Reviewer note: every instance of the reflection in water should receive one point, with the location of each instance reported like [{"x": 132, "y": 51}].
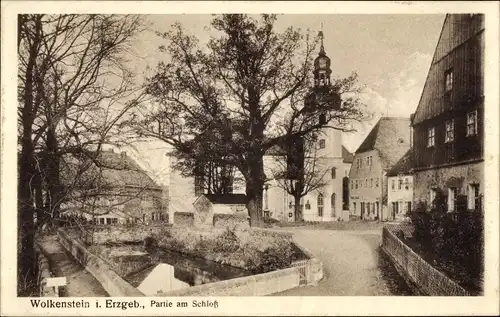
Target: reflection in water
[
  {"x": 156, "y": 270},
  {"x": 159, "y": 280}
]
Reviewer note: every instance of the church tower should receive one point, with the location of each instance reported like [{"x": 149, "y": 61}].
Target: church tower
[{"x": 326, "y": 202}]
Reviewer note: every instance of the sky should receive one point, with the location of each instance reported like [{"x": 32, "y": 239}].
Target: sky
[{"x": 390, "y": 52}]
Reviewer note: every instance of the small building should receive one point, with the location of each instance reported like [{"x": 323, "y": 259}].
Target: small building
[
  {"x": 386, "y": 143},
  {"x": 112, "y": 189},
  {"x": 220, "y": 211},
  {"x": 400, "y": 189}
]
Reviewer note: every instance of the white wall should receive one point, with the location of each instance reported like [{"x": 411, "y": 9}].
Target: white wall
[{"x": 401, "y": 196}]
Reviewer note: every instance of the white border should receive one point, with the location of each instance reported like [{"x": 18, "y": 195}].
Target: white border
[{"x": 488, "y": 304}]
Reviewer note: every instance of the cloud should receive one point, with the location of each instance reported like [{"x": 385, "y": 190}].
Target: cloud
[{"x": 396, "y": 95}]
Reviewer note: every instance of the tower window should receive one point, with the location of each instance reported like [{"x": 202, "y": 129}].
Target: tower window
[
  {"x": 322, "y": 143},
  {"x": 320, "y": 205},
  {"x": 334, "y": 172},
  {"x": 322, "y": 119}
]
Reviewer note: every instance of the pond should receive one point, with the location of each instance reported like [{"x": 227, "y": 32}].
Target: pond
[{"x": 156, "y": 270}]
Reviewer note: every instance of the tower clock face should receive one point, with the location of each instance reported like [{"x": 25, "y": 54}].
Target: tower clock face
[{"x": 322, "y": 63}]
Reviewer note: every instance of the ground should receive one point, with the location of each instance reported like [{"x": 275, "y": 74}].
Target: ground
[
  {"x": 80, "y": 282},
  {"x": 352, "y": 263}
]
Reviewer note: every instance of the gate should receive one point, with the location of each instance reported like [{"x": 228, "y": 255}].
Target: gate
[{"x": 303, "y": 268}]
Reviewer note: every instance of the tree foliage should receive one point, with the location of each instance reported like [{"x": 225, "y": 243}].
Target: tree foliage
[
  {"x": 246, "y": 88},
  {"x": 73, "y": 89}
]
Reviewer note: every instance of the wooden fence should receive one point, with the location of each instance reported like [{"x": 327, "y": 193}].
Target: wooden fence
[{"x": 419, "y": 273}]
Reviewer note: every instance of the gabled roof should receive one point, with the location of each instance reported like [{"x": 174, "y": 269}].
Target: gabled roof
[
  {"x": 390, "y": 137},
  {"x": 112, "y": 169},
  {"x": 347, "y": 156},
  {"x": 227, "y": 199},
  {"x": 403, "y": 166}
]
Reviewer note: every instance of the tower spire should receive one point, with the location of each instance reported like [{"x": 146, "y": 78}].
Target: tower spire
[{"x": 321, "y": 37}]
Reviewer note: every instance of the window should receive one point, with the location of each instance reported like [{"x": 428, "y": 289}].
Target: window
[
  {"x": 474, "y": 200},
  {"x": 101, "y": 221},
  {"x": 393, "y": 183},
  {"x": 369, "y": 161},
  {"x": 322, "y": 119},
  {"x": 320, "y": 205},
  {"x": 366, "y": 182},
  {"x": 450, "y": 135},
  {"x": 452, "y": 199},
  {"x": 400, "y": 184},
  {"x": 448, "y": 80},
  {"x": 290, "y": 205},
  {"x": 367, "y": 208},
  {"x": 408, "y": 206},
  {"x": 332, "y": 203},
  {"x": 358, "y": 163},
  {"x": 432, "y": 196},
  {"x": 308, "y": 205},
  {"x": 322, "y": 143},
  {"x": 334, "y": 172},
  {"x": 376, "y": 182},
  {"x": 290, "y": 215},
  {"x": 108, "y": 221},
  {"x": 371, "y": 182},
  {"x": 354, "y": 207},
  {"x": 407, "y": 186},
  {"x": 430, "y": 137},
  {"x": 472, "y": 123},
  {"x": 352, "y": 184},
  {"x": 356, "y": 184}
]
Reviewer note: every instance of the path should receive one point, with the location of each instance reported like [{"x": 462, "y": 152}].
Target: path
[
  {"x": 80, "y": 282},
  {"x": 352, "y": 264}
]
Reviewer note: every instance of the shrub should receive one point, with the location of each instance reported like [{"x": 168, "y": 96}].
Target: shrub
[
  {"x": 277, "y": 256},
  {"x": 227, "y": 242}
]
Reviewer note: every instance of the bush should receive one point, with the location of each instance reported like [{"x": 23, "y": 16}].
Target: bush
[
  {"x": 227, "y": 242},
  {"x": 277, "y": 256}
]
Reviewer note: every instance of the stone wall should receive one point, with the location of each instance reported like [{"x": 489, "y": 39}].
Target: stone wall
[
  {"x": 122, "y": 233},
  {"x": 255, "y": 285},
  {"x": 184, "y": 219},
  {"x": 44, "y": 273},
  {"x": 443, "y": 178},
  {"x": 112, "y": 283},
  {"x": 419, "y": 275},
  {"x": 231, "y": 221}
]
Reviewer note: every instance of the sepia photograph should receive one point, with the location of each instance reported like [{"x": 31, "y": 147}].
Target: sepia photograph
[{"x": 258, "y": 154}]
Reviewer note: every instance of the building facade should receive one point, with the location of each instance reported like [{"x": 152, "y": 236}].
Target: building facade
[
  {"x": 400, "y": 189},
  {"x": 117, "y": 191},
  {"x": 448, "y": 123},
  {"x": 372, "y": 160}
]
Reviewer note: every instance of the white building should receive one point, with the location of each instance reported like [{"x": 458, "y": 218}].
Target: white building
[{"x": 400, "y": 189}]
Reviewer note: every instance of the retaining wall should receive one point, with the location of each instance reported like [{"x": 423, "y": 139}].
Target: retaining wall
[
  {"x": 114, "y": 285},
  {"x": 43, "y": 274},
  {"x": 254, "y": 285},
  {"x": 184, "y": 219},
  {"x": 420, "y": 275}
]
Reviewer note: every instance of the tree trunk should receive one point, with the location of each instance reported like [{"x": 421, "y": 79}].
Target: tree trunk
[
  {"x": 254, "y": 189},
  {"x": 297, "y": 209},
  {"x": 53, "y": 174}
]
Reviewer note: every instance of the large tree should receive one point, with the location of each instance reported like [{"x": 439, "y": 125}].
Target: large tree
[
  {"x": 73, "y": 89},
  {"x": 249, "y": 85}
]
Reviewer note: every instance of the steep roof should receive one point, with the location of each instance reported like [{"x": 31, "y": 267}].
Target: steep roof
[
  {"x": 227, "y": 199},
  {"x": 403, "y": 166},
  {"x": 347, "y": 156},
  {"x": 390, "y": 137},
  {"x": 113, "y": 169},
  {"x": 459, "y": 36}
]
